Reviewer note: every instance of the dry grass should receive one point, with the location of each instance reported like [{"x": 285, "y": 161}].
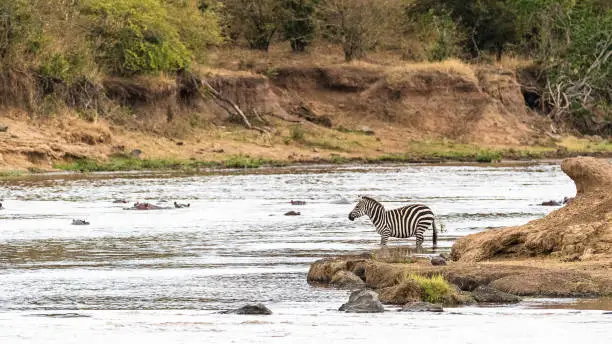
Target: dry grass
[{"x": 451, "y": 66}]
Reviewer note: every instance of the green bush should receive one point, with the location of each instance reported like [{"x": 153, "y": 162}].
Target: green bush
[
  {"x": 135, "y": 37},
  {"x": 488, "y": 156},
  {"x": 434, "y": 289}
]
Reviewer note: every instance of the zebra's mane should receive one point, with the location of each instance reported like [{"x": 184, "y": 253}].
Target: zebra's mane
[{"x": 372, "y": 199}]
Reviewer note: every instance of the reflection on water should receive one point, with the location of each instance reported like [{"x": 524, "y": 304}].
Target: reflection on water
[{"x": 151, "y": 273}]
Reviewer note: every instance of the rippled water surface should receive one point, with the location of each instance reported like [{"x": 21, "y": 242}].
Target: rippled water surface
[{"x": 162, "y": 276}]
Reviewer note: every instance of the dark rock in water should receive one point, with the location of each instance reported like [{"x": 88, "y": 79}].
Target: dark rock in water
[
  {"x": 182, "y": 205},
  {"x": 346, "y": 279},
  {"x": 1, "y": 206},
  {"x": 292, "y": 213},
  {"x": 253, "y": 309},
  {"x": 297, "y": 202},
  {"x": 486, "y": 294},
  {"x": 438, "y": 261},
  {"x": 123, "y": 201},
  {"x": 180, "y": 143},
  {"x": 567, "y": 200},
  {"x": 363, "y": 301},
  {"x": 421, "y": 307},
  {"x": 3, "y": 128},
  {"x": 80, "y": 222},
  {"x": 551, "y": 203}
]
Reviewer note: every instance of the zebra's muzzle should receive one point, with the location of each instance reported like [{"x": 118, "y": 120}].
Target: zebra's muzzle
[{"x": 351, "y": 217}]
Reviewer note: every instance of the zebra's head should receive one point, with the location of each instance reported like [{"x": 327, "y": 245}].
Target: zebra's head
[{"x": 359, "y": 210}]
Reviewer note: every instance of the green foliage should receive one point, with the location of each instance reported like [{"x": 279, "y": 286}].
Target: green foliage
[
  {"x": 136, "y": 36},
  {"x": 257, "y": 20},
  {"x": 197, "y": 22},
  {"x": 434, "y": 289},
  {"x": 439, "y": 35},
  {"x": 572, "y": 41},
  {"x": 488, "y": 156},
  {"x": 299, "y": 24},
  {"x": 488, "y": 24},
  {"x": 17, "y": 27}
]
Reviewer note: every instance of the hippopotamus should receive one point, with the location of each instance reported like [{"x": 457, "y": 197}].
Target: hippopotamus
[
  {"x": 145, "y": 206},
  {"x": 292, "y": 213},
  {"x": 80, "y": 222}
]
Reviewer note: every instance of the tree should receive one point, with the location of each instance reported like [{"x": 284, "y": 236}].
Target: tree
[
  {"x": 359, "y": 25},
  {"x": 257, "y": 20},
  {"x": 489, "y": 24},
  {"x": 299, "y": 25}
]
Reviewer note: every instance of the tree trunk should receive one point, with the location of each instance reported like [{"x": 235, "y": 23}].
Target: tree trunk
[
  {"x": 298, "y": 45},
  {"x": 500, "y": 50}
]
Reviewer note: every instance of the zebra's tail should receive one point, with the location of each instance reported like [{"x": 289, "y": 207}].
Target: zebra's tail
[{"x": 435, "y": 233}]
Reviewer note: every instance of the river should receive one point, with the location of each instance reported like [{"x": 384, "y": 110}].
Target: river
[{"x": 162, "y": 276}]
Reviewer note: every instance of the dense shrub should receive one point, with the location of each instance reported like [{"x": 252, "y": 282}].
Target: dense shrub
[{"x": 135, "y": 36}]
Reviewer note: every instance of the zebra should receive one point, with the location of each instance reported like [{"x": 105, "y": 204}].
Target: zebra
[{"x": 404, "y": 222}]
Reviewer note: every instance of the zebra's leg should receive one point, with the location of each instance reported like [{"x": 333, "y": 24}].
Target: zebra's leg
[
  {"x": 383, "y": 239},
  {"x": 384, "y": 236},
  {"x": 419, "y": 236}
]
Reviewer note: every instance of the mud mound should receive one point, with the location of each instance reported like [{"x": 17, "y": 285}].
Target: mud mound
[{"x": 580, "y": 230}]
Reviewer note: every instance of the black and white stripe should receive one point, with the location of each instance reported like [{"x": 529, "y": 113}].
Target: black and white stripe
[{"x": 405, "y": 222}]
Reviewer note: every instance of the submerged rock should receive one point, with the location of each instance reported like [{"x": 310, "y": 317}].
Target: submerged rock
[
  {"x": 347, "y": 279},
  {"x": 363, "y": 301},
  {"x": 438, "y": 261},
  {"x": 292, "y": 213},
  {"x": 486, "y": 294},
  {"x": 298, "y": 202},
  {"x": 251, "y": 309},
  {"x": 551, "y": 203},
  {"x": 421, "y": 307}
]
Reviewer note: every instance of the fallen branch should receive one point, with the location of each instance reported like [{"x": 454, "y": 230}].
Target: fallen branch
[{"x": 229, "y": 105}]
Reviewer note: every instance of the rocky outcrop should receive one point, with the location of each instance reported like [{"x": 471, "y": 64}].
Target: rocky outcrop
[
  {"x": 401, "y": 293},
  {"x": 438, "y": 261},
  {"x": 251, "y": 309},
  {"x": 347, "y": 279},
  {"x": 363, "y": 301},
  {"x": 581, "y": 230},
  {"x": 486, "y": 294},
  {"x": 523, "y": 277}
]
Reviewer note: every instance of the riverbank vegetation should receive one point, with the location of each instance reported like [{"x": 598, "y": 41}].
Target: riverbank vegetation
[{"x": 154, "y": 66}]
